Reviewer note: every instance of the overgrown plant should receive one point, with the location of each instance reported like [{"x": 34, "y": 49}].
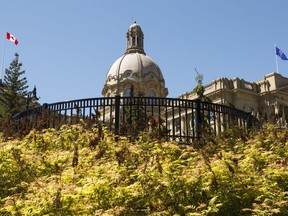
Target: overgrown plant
[{"x": 57, "y": 172}]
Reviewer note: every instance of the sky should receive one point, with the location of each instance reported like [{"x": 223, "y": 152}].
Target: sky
[{"x": 67, "y": 46}]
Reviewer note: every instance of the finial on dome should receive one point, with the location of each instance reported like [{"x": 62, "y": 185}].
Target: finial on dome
[{"x": 132, "y": 18}]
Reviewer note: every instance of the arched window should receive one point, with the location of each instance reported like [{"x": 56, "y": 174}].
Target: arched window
[{"x": 127, "y": 92}]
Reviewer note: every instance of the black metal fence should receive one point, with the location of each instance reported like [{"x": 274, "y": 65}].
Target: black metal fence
[{"x": 176, "y": 119}]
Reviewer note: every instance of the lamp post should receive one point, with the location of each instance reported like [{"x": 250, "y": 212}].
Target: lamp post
[{"x": 31, "y": 97}]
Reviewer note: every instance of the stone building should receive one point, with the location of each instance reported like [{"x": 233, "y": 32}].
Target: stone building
[
  {"x": 266, "y": 99},
  {"x": 136, "y": 69}
]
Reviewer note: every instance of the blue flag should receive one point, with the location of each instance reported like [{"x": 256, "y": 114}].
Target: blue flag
[{"x": 281, "y": 54}]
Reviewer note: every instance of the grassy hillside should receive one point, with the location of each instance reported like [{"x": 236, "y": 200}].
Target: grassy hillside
[{"x": 76, "y": 171}]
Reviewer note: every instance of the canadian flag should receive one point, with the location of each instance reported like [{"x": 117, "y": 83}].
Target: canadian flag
[{"x": 11, "y": 38}]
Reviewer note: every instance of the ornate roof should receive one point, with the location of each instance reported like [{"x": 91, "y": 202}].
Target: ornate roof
[{"x": 134, "y": 66}]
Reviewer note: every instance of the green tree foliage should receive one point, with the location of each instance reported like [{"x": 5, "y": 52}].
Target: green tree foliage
[
  {"x": 13, "y": 89},
  {"x": 56, "y": 172},
  {"x": 200, "y": 89}
]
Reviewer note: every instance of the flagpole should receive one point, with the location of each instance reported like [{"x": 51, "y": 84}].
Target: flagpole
[
  {"x": 277, "y": 69},
  {"x": 3, "y": 56}
]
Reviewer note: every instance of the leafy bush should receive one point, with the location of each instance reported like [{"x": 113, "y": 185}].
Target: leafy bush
[{"x": 80, "y": 171}]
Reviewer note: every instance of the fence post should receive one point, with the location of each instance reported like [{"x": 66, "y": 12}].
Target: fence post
[
  {"x": 198, "y": 119},
  {"x": 44, "y": 111},
  {"x": 117, "y": 115}
]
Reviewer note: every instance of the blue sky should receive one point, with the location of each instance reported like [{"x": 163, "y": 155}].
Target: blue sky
[{"x": 68, "y": 46}]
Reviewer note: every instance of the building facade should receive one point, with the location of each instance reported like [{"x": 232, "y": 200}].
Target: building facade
[{"x": 266, "y": 99}]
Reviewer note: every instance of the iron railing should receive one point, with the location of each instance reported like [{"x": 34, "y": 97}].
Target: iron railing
[{"x": 177, "y": 119}]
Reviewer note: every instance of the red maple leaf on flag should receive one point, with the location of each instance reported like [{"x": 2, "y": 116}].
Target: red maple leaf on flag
[{"x": 11, "y": 38}]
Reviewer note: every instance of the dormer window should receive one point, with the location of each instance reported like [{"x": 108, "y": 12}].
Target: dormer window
[{"x": 127, "y": 92}]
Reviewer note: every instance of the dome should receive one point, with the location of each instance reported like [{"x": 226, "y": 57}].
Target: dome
[
  {"x": 136, "y": 69},
  {"x": 135, "y": 27}
]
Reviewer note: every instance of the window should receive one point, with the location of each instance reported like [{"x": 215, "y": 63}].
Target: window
[
  {"x": 127, "y": 92},
  {"x": 212, "y": 115},
  {"x": 151, "y": 94}
]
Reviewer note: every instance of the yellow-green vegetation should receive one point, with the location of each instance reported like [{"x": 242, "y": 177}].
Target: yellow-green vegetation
[{"x": 79, "y": 171}]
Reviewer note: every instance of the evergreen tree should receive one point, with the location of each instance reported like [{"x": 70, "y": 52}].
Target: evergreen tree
[{"x": 13, "y": 89}]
